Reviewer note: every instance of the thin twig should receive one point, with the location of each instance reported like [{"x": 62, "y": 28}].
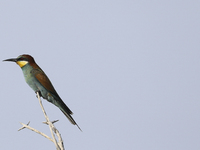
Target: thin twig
[
  {"x": 45, "y": 122},
  {"x": 23, "y": 126},
  {"x": 60, "y": 140},
  {"x": 51, "y": 126},
  {"x": 30, "y": 128},
  {"x": 59, "y": 145}
]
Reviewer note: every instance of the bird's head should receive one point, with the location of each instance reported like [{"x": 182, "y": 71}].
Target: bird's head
[{"x": 22, "y": 60}]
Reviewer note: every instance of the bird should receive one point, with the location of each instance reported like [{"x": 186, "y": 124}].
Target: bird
[{"x": 39, "y": 82}]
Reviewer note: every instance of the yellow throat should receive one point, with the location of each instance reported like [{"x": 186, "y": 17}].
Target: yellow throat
[{"x": 22, "y": 63}]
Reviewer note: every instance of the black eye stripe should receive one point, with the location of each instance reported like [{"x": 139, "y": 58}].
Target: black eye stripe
[{"x": 22, "y": 59}]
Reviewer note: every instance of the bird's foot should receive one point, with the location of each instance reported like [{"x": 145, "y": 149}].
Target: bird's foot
[{"x": 39, "y": 93}]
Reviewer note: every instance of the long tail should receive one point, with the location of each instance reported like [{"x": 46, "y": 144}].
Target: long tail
[
  {"x": 70, "y": 118},
  {"x": 56, "y": 100}
]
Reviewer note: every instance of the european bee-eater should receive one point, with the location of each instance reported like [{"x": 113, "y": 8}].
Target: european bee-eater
[{"x": 39, "y": 82}]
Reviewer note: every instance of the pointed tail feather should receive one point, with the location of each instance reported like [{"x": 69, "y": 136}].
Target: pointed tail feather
[
  {"x": 69, "y": 117},
  {"x": 63, "y": 107}
]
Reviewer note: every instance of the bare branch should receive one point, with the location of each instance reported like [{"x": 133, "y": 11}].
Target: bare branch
[
  {"x": 51, "y": 126},
  {"x": 59, "y": 145},
  {"x": 59, "y": 139},
  {"x": 23, "y": 126},
  {"x": 30, "y": 128},
  {"x": 45, "y": 122}
]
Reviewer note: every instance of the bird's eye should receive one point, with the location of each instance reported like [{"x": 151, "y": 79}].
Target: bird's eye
[{"x": 21, "y": 58}]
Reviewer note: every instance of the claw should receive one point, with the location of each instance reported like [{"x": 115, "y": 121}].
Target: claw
[{"x": 39, "y": 93}]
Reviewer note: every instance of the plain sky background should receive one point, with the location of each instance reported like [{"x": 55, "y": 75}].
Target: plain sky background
[{"x": 129, "y": 70}]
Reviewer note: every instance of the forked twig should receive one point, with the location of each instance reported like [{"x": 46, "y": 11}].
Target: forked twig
[
  {"x": 59, "y": 145},
  {"x": 30, "y": 128}
]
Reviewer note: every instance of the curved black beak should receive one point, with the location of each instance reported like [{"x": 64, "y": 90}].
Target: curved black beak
[{"x": 11, "y": 59}]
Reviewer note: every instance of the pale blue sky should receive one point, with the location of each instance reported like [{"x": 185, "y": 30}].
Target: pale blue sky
[{"x": 129, "y": 70}]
